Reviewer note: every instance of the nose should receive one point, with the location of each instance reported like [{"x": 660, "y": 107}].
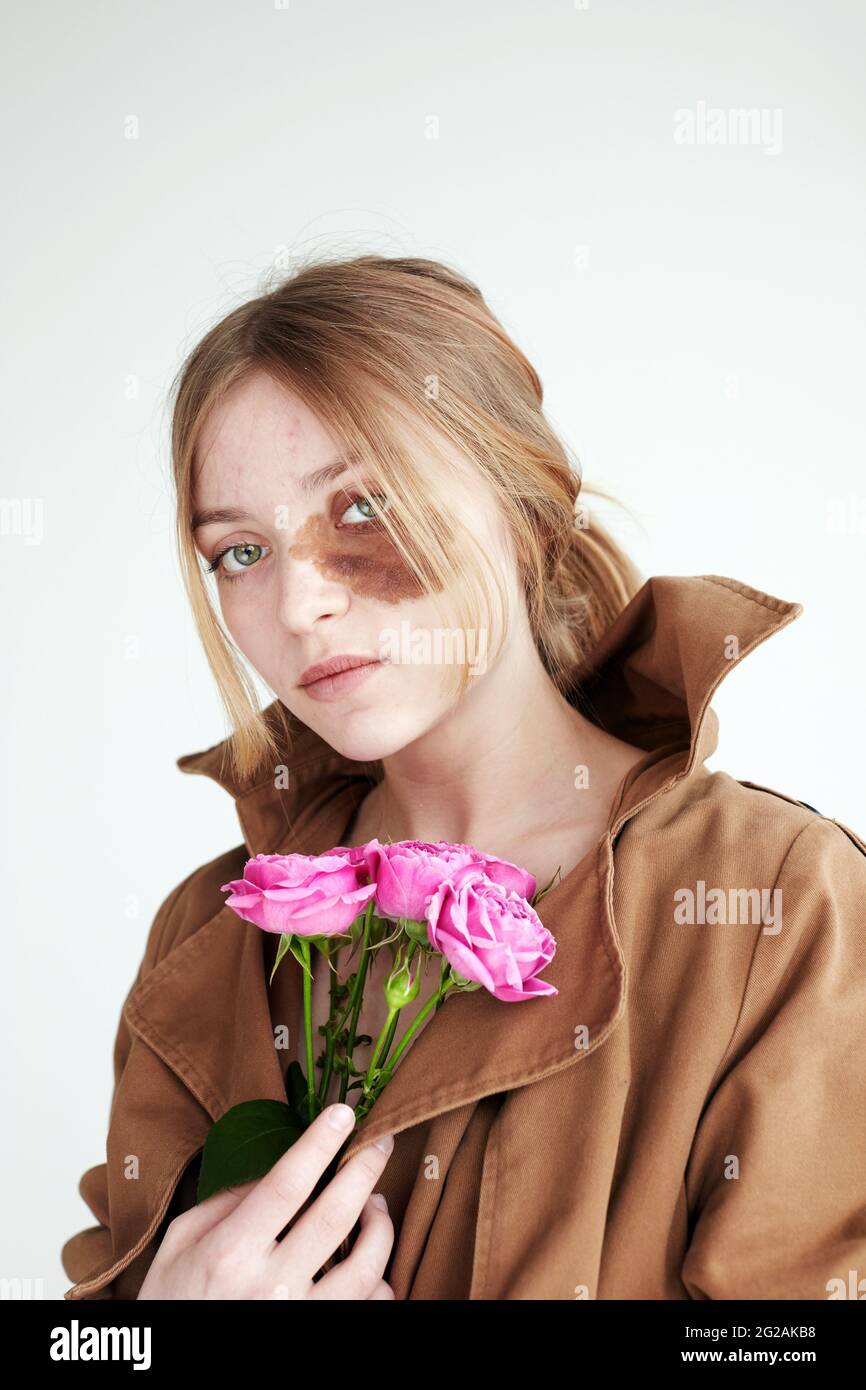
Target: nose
[{"x": 305, "y": 596}]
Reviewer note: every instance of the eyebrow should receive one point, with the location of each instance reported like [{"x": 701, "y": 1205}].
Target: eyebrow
[{"x": 309, "y": 483}]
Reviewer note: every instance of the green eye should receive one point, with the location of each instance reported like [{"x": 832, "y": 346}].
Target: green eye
[
  {"x": 368, "y": 510},
  {"x": 245, "y": 555}
]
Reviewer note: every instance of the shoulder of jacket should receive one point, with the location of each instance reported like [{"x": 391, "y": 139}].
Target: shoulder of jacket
[
  {"x": 692, "y": 814},
  {"x": 192, "y": 903},
  {"x": 813, "y": 815}
]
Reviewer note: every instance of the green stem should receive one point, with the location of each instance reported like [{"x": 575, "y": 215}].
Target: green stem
[
  {"x": 445, "y": 968},
  {"x": 390, "y": 1038},
  {"x": 331, "y": 1030},
  {"x": 387, "y": 1027},
  {"x": 308, "y": 1028},
  {"x": 370, "y": 1097},
  {"x": 392, "y": 1027},
  {"x": 414, "y": 1026},
  {"x": 357, "y": 997}
]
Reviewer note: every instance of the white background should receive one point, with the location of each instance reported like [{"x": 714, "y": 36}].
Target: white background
[{"x": 695, "y": 311}]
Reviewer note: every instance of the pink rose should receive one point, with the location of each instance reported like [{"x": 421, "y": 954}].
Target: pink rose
[
  {"x": 302, "y": 894},
  {"x": 490, "y": 935},
  {"x": 408, "y": 872}
]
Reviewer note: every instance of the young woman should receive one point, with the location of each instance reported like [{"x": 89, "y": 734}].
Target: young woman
[{"x": 458, "y": 652}]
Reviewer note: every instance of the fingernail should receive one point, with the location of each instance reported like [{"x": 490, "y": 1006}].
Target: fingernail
[
  {"x": 378, "y": 1200},
  {"x": 386, "y": 1143},
  {"x": 340, "y": 1116}
]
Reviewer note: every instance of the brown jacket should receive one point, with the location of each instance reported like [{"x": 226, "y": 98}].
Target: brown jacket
[{"x": 685, "y": 1119}]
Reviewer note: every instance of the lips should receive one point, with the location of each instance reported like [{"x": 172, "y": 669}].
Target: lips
[{"x": 334, "y": 666}]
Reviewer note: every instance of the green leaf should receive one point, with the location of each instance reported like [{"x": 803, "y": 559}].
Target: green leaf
[
  {"x": 245, "y": 1144},
  {"x": 282, "y": 949},
  {"x": 296, "y": 1090},
  {"x": 416, "y": 932},
  {"x": 464, "y": 985},
  {"x": 298, "y": 950},
  {"x": 546, "y": 889}
]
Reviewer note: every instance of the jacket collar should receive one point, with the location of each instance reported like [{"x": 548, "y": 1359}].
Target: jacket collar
[{"x": 205, "y": 1008}]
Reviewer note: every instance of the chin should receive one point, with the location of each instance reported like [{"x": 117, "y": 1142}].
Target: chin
[{"x": 368, "y": 735}]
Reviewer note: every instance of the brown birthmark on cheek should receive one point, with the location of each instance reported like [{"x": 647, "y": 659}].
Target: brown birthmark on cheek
[{"x": 368, "y": 561}]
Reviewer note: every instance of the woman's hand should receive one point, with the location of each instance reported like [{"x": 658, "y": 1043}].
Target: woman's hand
[{"x": 227, "y": 1247}]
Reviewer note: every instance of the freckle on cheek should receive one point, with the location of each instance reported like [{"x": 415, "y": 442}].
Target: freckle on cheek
[{"x": 369, "y": 564}]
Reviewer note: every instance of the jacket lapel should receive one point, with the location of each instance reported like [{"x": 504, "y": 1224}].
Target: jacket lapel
[{"x": 204, "y": 1009}]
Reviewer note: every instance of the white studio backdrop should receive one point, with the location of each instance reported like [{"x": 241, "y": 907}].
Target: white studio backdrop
[{"x": 664, "y": 203}]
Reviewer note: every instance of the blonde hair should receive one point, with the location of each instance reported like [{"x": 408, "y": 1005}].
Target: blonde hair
[{"x": 373, "y": 342}]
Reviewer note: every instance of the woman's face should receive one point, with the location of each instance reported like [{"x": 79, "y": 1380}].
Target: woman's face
[{"x": 307, "y": 574}]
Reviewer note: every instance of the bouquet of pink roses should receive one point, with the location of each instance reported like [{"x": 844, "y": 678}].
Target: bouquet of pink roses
[{"x": 473, "y": 912}]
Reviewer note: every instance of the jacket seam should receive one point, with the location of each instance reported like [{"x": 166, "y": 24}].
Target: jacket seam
[
  {"x": 177, "y": 1059},
  {"x": 848, "y": 832},
  {"x": 487, "y": 1232},
  {"x": 733, "y": 1038},
  {"x": 753, "y": 595},
  {"x": 99, "y": 1280},
  {"x": 168, "y": 912}
]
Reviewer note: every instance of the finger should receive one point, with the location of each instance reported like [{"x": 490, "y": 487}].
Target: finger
[
  {"x": 382, "y": 1291},
  {"x": 360, "y": 1274},
  {"x": 276, "y": 1197},
  {"x": 330, "y": 1218},
  {"x": 194, "y": 1223}
]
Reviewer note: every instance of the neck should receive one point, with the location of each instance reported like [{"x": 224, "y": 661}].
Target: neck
[{"x": 510, "y": 746}]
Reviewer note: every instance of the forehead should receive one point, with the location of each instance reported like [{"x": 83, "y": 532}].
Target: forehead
[{"x": 261, "y": 435}]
